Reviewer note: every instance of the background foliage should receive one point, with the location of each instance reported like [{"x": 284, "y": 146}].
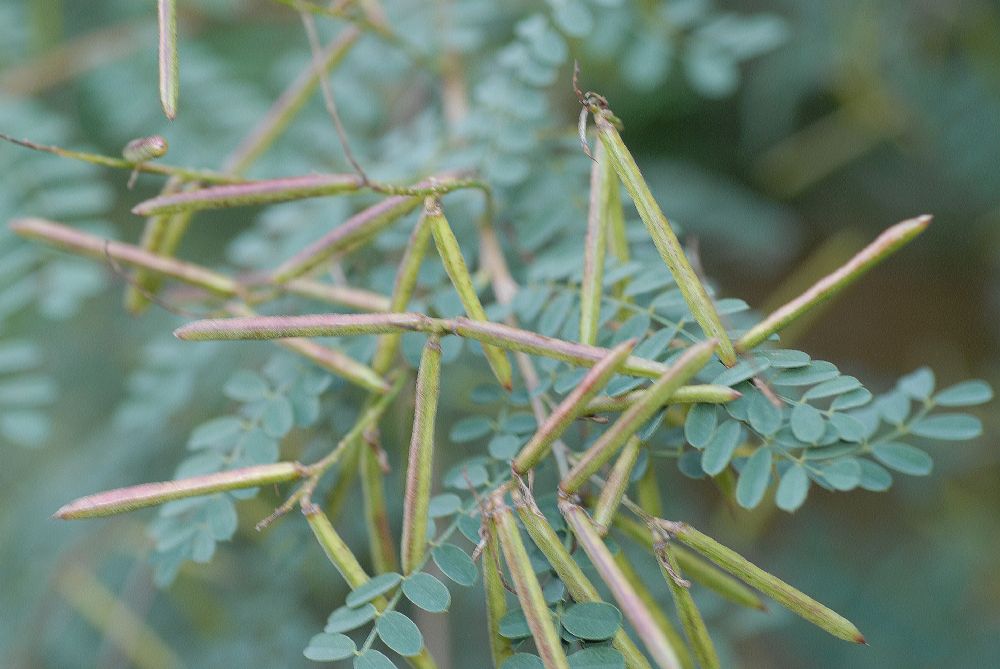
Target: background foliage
[{"x": 780, "y": 135}]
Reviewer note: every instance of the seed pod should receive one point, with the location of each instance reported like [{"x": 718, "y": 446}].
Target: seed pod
[
  {"x": 402, "y": 292},
  {"x": 169, "y": 85},
  {"x": 794, "y": 600},
  {"x": 577, "y": 584},
  {"x": 595, "y": 246},
  {"x": 529, "y": 592},
  {"x": 458, "y": 272},
  {"x": 660, "y": 617},
  {"x": 145, "y": 148},
  {"x": 691, "y": 620},
  {"x": 694, "y": 394},
  {"x": 65, "y": 237},
  {"x": 496, "y": 600},
  {"x": 663, "y": 236},
  {"x": 339, "y": 553},
  {"x": 135, "y": 497},
  {"x": 570, "y": 408},
  {"x": 615, "y": 485},
  {"x": 252, "y": 193},
  {"x": 380, "y": 538},
  {"x": 356, "y": 230},
  {"x": 420, "y": 466},
  {"x": 824, "y": 289},
  {"x": 628, "y": 600},
  {"x": 636, "y": 415},
  {"x": 694, "y": 567}
]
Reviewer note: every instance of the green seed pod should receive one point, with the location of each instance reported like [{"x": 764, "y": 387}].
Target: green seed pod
[
  {"x": 145, "y": 148},
  {"x": 420, "y": 467},
  {"x": 629, "y": 602},
  {"x": 458, "y": 272},
  {"x": 529, "y": 592},
  {"x": 595, "y": 246},
  {"x": 636, "y": 415},
  {"x": 794, "y": 600},
  {"x": 694, "y": 567},
  {"x": 570, "y": 408},
  {"x": 687, "y": 611},
  {"x": 577, "y": 584},
  {"x": 615, "y": 485},
  {"x": 496, "y": 600},
  {"x": 169, "y": 81},
  {"x": 663, "y": 235},
  {"x": 131, "y": 498}
]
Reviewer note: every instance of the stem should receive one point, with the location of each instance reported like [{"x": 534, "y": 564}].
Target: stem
[{"x": 120, "y": 163}]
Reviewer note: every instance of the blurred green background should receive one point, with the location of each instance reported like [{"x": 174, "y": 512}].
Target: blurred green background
[{"x": 841, "y": 119}]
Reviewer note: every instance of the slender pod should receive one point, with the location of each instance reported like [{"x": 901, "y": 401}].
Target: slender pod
[
  {"x": 577, "y": 584},
  {"x": 884, "y": 245},
  {"x": 320, "y": 325},
  {"x": 402, "y": 290},
  {"x": 614, "y": 486},
  {"x": 687, "y": 610},
  {"x": 355, "y": 230},
  {"x": 454, "y": 264},
  {"x": 663, "y": 235},
  {"x": 529, "y": 592},
  {"x": 625, "y": 594},
  {"x": 595, "y": 247},
  {"x": 381, "y": 544},
  {"x": 88, "y": 245},
  {"x": 570, "y": 408},
  {"x": 338, "y": 363},
  {"x": 666, "y": 625},
  {"x": 633, "y": 418},
  {"x": 347, "y": 564},
  {"x": 340, "y": 325},
  {"x": 496, "y": 600},
  {"x": 648, "y": 492},
  {"x": 420, "y": 464},
  {"x": 694, "y": 567},
  {"x": 122, "y": 500},
  {"x": 352, "y": 297},
  {"x": 139, "y": 644},
  {"x": 253, "y": 193},
  {"x": 160, "y": 236},
  {"x": 794, "y": 600},
  {"x": 289, "y": 103},
  {"x": 169, "y": 85},
  {"x": 332, "y": 360},
  {"x": 339, "y": 553},
  {"x": 694, "y": 394}
]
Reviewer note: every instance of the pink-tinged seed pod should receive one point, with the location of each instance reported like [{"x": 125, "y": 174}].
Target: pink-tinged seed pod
[{"x": 145, "y": 148}]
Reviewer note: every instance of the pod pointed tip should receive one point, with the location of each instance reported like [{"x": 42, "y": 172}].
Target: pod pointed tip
[{"x": 859, "y": 638}]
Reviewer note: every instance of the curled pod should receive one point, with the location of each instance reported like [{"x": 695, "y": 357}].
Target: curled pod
[{"x": 145, "y": 148}]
